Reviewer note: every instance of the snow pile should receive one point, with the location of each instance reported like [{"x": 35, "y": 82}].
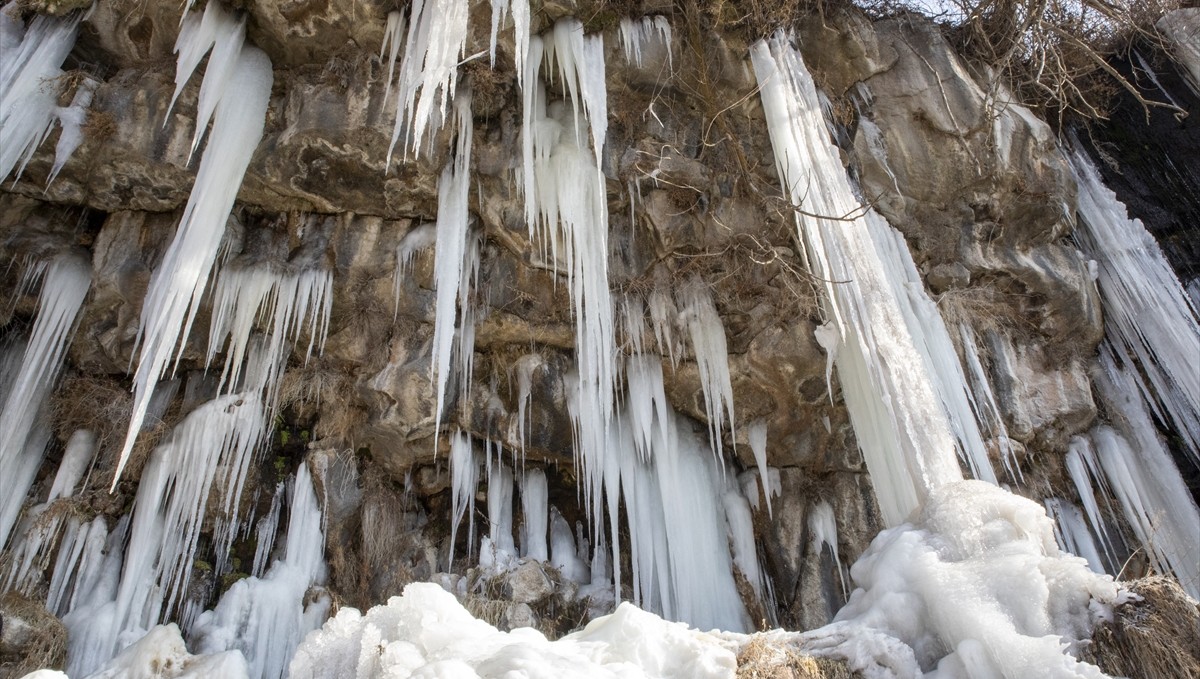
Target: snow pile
[
  {"x": 975, "y": 587},
  {"x": 161, "y": 654},
  {"x": 237, "y": 88},
  {"x": 427, "y": 633}
]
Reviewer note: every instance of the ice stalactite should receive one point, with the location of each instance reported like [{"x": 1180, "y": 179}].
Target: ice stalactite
[
  {"x": 678, "y": 502},
  {"x": 499, "y": 551},
  {"x": 267, "y": 617},
  {"x": 437, "y": 35},
  {"x": 206, "y": 456},
  {"x": 984, "y": 404},
  {"x": 757, "y": 435},
  {"x": 638, "y": 34},
  {"x": 1149, "y": 319},
  {"x": 699, "y": 316},
  {"x": 1072, "y": 532},
  {"x": 934, "y": 345},
  {"x": 30, "y": 84},
  {"x": 464, "y": 481},
  {"x": 72, "y": 118},
  {"x": 1084, "y": 468},
  {"x": 65, "y": 283},
  {"x": 567, "y": 208},
  {"x": 899, "y": 420},
  {"x": 265, "y": 533},
  {"x": 525, "y": 367},
  {"x": 393, "y": 36},
  {"x": 535, "y": 513},
  {"x": 455, "y": 264},
  {"x": 286, "y": 301},
  {"x": 1142, "y": 476},
  {"x": 76, "y": 459},
  {"x": 822, "y": 525},
  {"x": 178, "y": 283}
]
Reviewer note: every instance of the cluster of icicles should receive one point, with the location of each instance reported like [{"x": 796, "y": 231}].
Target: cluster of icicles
[{"x": 919, "y": 414}]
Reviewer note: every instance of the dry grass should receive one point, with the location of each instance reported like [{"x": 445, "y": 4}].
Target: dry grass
[
  {"x": 1155, "y": 638},
  {"x": 46, "y": 645},
  {"x": 763, "y": 659}
]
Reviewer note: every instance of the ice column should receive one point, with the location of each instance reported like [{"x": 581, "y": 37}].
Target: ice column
[
  {"x": 65, "y": 283},
  {"x": 901, "y": 424},
  {"x": 179, "y": 282}
]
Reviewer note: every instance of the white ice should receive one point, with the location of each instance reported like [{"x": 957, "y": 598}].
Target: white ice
[
  {"x": 638, "y": 35},
  {"x": 427, "y": 633},
  {"x": 266, "y": 618},
  {"x": 975, "y": 586},
  {"x": 178, "y": 283},
  {"x": 65, "y": 283},
  {"x": 29, "y": 81},
  {"x": 899, "y": 420}
]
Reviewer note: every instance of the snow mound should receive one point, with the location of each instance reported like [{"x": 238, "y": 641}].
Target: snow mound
[
  {"x": 427, "y": 633},
  {"x": 974, "y": 586}
]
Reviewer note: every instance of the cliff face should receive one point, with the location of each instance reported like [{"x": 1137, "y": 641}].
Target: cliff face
[{"x": 977, "y": 185}]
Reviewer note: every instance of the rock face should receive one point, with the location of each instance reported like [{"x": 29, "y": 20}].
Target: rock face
[{"x": 977, "y": 186}]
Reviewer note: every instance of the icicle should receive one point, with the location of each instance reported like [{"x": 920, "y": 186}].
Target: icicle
[
  {"x": 464, "y": 481},
  {"x": 535, "y": 513},
  {"x": 741, "y": 537},
  {"x": 177, "y": 285},
  {"x": 76, "y": 459},
  {"x": 451, "y": 268},
  {"x": 217, "y": 31},
  {"x": 637, "y": 34},
  {"x": 1154, "y": 497},
  {"x": 663, "y": 315},
  {"x": 1147, "y": 313},
  {"x": 500, "y": 514},
  {"x": 29, "y": 87},
  {"x": 65, "y": 284},
  {"x": 757, "y": 435},
  {"x": 89, "y": 612},
  {"x": 1072, "y": 533},
  {"x": 437, "y": 34},
  {"x": 983, "y": 402},
  {"x": 520, "y": 15},
  {"x": 266, "y": 618},
  {"x": 393, "y": 35},
  {"x": 823, "y": 526},
  {"x": 564, "y": 554},
  {"x": 265, "y": 533},
  {"x": 72, "y": 119},
  {"x": 499, "y": 10},
  {"x": 210, "y": 449},
  {"x": 707, "y": 333},
  {"x": 1083, "y": 469},
  {"x": 283, "y": 302},
  {"x": 414, "y": 242},
  {"x": 525, "y": 367},
  {"x": 899, "y": 420}
]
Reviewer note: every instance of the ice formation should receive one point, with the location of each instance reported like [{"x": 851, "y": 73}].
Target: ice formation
[
  {"x": 72, "y": 119},
  {"x": 265, "y": 618},
  {"x": 975, "y": 587},
  {"x": 453, "y": 270},
  {"x": 162, "y": 654},
  {"x": 901, "y": 423},
  {"x": 65, "y": 283},
  {"x": 535, "y": 514},
  {"x": 179, "y": 281},
  {"x": 639, "y": 34},
  {"x": 437, "y": 34},
  {"x": 699, "y": 315},
  {"x": 426, "y": 632},
  {"x": 1148, "y": 318},
  {"x": 30, "y": 84},
  {"x": 208, "y": 451},
  {"x": 285, "y": 302}
]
